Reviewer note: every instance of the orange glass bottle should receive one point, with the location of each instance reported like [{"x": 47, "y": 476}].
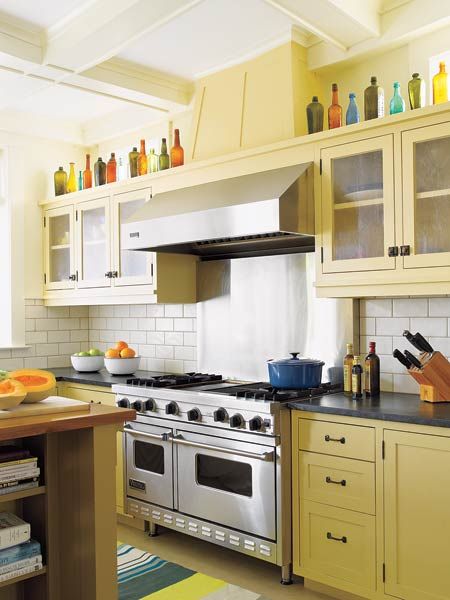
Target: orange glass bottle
[
  {"x": 142, "y": 160},
  {"x": 177, "y": 152},
  {"x": 111, "y": 169},
  {"x": 335, "y": 110},
  {"x": 87, "y": 173},
  {"x": 440, "y": 88}
]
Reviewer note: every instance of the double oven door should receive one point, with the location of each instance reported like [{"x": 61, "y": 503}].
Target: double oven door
[{"x": 189, "y": 469}]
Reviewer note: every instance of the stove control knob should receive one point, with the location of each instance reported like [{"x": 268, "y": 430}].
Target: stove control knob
[
  {"x": 123, "y": 403},
  {"x": 220, "y": 415},
  {"x": 194, "y": 414},
  {"x": 255, "y": 424},
  {"x": 144, "y": 405},
  {"x": 172, "y": 408},
  {"x": 150, "y": 404},
  {"x": 237, "y": 421}
]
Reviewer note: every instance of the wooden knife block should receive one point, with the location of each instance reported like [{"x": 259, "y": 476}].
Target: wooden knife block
[{"x": 434, "y": 378}]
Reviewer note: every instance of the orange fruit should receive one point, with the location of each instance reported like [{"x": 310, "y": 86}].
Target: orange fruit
[
  {"x": 112, "y": 353},
  {"x": 121, "y": 346},
  {"x": 127, "y": 353}
]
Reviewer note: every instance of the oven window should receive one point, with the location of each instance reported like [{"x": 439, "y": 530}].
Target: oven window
[
  {"x": 227, "y": 475},
  {"x": 149, "y": 457}
]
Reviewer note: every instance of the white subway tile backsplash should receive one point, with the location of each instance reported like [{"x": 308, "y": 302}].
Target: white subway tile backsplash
[
  {"x": 173, "y": 338},
  {"x": 367, "y": 326},
  {"x": 57, "y": 312},
  {"x": 430, "y": 326},
  {"x": 129, "y": 324},
  {"x": 190, "y": 310},
  {"x": 36, "y": 337},
  {"x": 173, "y": 310},
  {"x": 391, "y": 326},
  {"x": 185, "y": 353},
  {"x": 46, "y": 349},
  {"x": 146, "y": 324},
  {"x": 70, "y": 323},
  {"x": 121, "y": 310},
  {"x": 138, "y": 337},
  {"x": 36, "y": 362},
  {"x": 377, "y": 307},
  {"x": 174, "y": 366},
  {"x": 35, "y": 312},
  {"x": 383, "y": 344},
  {"x": 155, "y": 310},
  {"x": 164, "y": 324},
  {"x": 155, "y": 337},
  {"x": 190, "y": 339},
  {"x": 410, "y": 307},
  {"x": 184, "y": 324},
  {"x": 439, "y": 307},
  {"x": 441, "y": 344},
  {"x": 47, "y": 325},
  {"x": 138, "y": 310},
  {"x": 59, "y": 336},
  {"x": 164, "y": 352},
  {"x": 155, "y": 364},
  {"x": 147, "y": 351},
  {"x": 30, "y": 324},
  {"x": 405, "y": 384}
]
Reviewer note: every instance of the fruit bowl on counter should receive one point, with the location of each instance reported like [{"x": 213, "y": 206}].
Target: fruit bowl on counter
[
  {"x": 88, "y": 362},
  {"x": 121, "y": 360}
]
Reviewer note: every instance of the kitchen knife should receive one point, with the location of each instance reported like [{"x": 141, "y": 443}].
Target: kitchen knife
[
  {"x": 402, "y": 358},
  {"x": 418, "y": 341},
  {"x": 413, "y": 359}
]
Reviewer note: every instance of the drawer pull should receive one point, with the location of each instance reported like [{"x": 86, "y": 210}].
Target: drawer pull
[
  {"x": 330, "y": 439},
  {"x": 342, "y": 482},
  {"x": 342, "y": 539}
]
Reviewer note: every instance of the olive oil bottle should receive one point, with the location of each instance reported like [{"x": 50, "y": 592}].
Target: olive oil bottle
[
  {"x": 348, "y": 364},
  {"x": 372, "y": 372},
  {"x": 357, "y": 373}
]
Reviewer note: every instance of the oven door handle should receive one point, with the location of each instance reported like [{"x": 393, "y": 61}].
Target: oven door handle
[
  {"x": 265, "y": 456},
  {"x": 164, "y": 437}
]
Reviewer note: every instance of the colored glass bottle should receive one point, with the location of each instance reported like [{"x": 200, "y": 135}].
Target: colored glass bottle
[
  {"x": 335, "y": 110},
  {"x": 87, "y": 173},
  {"x": 372, "y": 372},
  {"x": 357, "y": 372},
  {"x": 142, "y": 160},
  {"x": 80, "y": 180},
  {"x": 416, "y": 91},
  {"x": 60, "y": 178},
  {"x": 373, "y": 100},
  {"x": 121, "y": 170},
  {"x": 314, "y": 115},
  {"x": 133, "y": 158},
  {"x": 352, "y": 114},
  {"x": 440, "y": 88},
  {"x": 397, "y": 104},
  {"x": 153, "y": 161},
  {"x": 177, "y": 152},
  {"x": 348, "y": 364},
  {"x": 72, "y": 180},
  {"x": 164, "y": 160},
  {"x": 100, "y": 172},
  {"x": 111, "y": 169}
]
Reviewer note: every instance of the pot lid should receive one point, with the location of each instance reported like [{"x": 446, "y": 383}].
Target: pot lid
[{"x": 295, "y": 361}]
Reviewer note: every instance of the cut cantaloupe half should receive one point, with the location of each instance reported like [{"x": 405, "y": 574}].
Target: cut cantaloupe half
[
  {"x": 12, "y": 393},
  {"x": 38, "y": 384}
]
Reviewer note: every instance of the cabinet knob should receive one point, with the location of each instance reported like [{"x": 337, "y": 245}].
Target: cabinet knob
[
  {"x": 405, "y": 250},
  {"x": 114, "y": 274},
  {"x": 108, "y": 274},
  {"x": 72, "y": 277},
  {"x": 393, "y": 251}
]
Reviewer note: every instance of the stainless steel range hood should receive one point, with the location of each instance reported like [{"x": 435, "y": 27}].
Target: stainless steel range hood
[{"x": 261, "y": 214}]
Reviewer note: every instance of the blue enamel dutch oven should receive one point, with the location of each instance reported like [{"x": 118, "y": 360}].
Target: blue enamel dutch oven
[{"x": 295, "y": 373}]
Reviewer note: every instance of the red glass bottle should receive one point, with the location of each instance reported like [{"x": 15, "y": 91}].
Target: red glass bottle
[
  {"x": 87, "y": 173},
  {"x": 335, "y": 110},
  {"x": 177, "y": 152}
]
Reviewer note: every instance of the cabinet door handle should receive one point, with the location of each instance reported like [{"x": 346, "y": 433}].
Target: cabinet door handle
[
  {"x": 108, "y": 274},
  {"x": 330, "y": 439},
  {"x": 72, "y": 277},
  {"x": 343, "y": 482},
  {"x": 342, "y": 539},
  {"x": 114, "y": 274},
  {"x": 393, "y": 251},
  {"x": 405, "y": 250}
]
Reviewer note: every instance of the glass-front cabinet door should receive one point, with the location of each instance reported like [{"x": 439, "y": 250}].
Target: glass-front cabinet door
[
  {"x": 60, "y": 273},
  {"x": 358, "y": 206},
  {"x": 129, "y": 267},
  {"x": 426, "y": 196},
  {"x": 93, "y": 243}
]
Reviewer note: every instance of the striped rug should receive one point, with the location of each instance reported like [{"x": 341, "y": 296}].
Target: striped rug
[{"x": 142, "y": 575}]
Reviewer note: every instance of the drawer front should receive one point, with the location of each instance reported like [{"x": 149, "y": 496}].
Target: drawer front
[
  {"x": 338, "y": 439},
  {"x": 338, "y": 544},
  {"x": 337, "y": 481}
]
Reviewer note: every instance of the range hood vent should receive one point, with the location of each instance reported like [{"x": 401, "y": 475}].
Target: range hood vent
[{"x": 261, "y": 214}]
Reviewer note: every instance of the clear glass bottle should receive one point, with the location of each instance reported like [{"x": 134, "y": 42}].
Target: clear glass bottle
[
  {"x": 60, "y": 178},
  {"x": 72, "y": 180},
  {"x": 100, "y": 172},
  {"x": 111, "y": 169},
  {"x": 373, "y": 100},
  {"x": 142, "y": 160},
  {"x": 335, "y": 109},
  {"x": 177, "y": 152},
  {"x": 416, "y": 91},
  {"x": 397, "y": 104},
  {"x": 153, "y": 161},
  {"x": 314, "y": 115},
  {"x": 348, "y": 364},
  {"x": 87, "y": 173},
  {"x": 352, "y": 114},
  {"x": 164, "y": 160},
  {"x": 133, "y": 158},
  {"x": 122, "y": 172},
  {"x": 357, "y": 391},
  {"x": 440, "y": 85},
  {"x": 372, "y": 372}
]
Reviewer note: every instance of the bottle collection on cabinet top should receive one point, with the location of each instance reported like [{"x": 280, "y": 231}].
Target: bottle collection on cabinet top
[
  {"x": 139, "y": 163},
  {"x": 360, "y": 379}
]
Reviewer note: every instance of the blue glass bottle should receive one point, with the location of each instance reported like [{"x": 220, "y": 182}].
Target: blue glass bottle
[
  {"x": 352, "y": 114},
  {"x": 397, "y": 104}
]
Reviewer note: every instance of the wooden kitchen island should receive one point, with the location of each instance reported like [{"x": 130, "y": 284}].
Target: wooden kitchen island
[{"x": 73, "y": 511}]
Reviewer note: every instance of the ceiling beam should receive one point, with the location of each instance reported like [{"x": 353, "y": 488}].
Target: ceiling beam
[{"x": 19, "y": 41}]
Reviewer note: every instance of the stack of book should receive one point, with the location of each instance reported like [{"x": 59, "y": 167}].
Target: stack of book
[
  {"x": 18, "y": 469},
  {"x": 19, "y": 555}
]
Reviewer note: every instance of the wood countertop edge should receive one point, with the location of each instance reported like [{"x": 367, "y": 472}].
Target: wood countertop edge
[{"x": 98, "y": 415}]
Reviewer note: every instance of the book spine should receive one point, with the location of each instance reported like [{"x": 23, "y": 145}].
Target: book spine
[
  {"x": 22, "y": 475},
  {"x": 21, "y": 564},
  {"x": 19, "y": 461},
  {"x": 20, "y": 486},
  {"x": 20, "y": 552},
  {"x": 17, "y": 468},
  {"x": 16, "y": 534},
  {"x": 20, "y": 572}
]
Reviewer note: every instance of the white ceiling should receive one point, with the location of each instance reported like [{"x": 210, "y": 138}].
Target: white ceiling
[{"x": 41, "y": 13}]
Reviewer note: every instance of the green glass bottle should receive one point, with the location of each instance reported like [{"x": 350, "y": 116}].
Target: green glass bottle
[
  {"x": 397, "y": 104},
  {"x": 416, "y": 91},
  {"x": 60, "y": 178},
  {"x": 153, "y": 161},
  {"x": 133, "y": 160},
  {"x": 80, "y": 180},
  {"x": 100, "y": 172},
  {"x": 314, "y": 115},
  {"x": 164, "y": 160},
  {"x": 373, "y": 100}
]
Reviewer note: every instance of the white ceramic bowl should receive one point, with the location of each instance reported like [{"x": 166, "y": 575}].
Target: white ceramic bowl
[
  {"x": 122, "y": 366},
  {"x": 87, "y": 364}
]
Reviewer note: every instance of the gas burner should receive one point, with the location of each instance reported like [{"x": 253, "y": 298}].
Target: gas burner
[
  {"x": 163, "y": 381},
  {"x": 266, "y": 393}
]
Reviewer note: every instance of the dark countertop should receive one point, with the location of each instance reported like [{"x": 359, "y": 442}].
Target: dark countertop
[
  {"x": 101, "y": 378},
  {"x": 402, "y": 408}
]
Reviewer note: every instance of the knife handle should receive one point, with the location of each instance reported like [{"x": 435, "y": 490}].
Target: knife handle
[
  {"x": 418, "y": 341},
  {"x": 413, "y": 359},
  {"x": 402, "y": 358}
]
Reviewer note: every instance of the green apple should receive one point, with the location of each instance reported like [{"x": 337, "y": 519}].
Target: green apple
[
  {"x": 83, "y": 354},
  {"x": 95, "y": 352}
]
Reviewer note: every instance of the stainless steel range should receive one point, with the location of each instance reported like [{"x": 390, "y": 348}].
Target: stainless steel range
[{"x": 211, "y": 458}]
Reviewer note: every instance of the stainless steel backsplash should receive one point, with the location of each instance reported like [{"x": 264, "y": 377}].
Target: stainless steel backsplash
[{"x": 255, "y": 309}]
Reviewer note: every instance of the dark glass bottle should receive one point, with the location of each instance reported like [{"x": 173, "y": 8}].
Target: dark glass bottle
[
  {"x": 372, "y": 372},
  {"x": 352, "y": 115},
  {"x": 348, "y": 365},
  {"x": 357, "y": 372},
  {"x": 111, "y": 169},
  {"x": 314, "y": 115},
  {"x": 100, "y": 172},
  {"x": 87, "y": 173},
  {"x": 133, "y": 160},
  {"x": 373, "y": 100},
  {"x": 177, "y": 152},
  {"x": 164, "y": 160},
  {"x": 335, "y": 109},
  {"x": 416, "y": 91},
  {"x": 60, "y": 178}
]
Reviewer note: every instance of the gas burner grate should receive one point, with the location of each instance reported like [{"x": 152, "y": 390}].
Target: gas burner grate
[
  {"x": 163, "y": 381},
  {"x": 266, "y": 393}
]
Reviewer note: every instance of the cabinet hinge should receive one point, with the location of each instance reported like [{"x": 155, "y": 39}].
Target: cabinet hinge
[
  {"x": 384, "y": 572},
  {"x": 321, "y": 254},
  {"x": 151, "y": 269},
  {"x": 76, "y": 273},
  {"x": 76, "y": 215},
  {"x": 383, "y": 449},
  {"x": 45, "y": 277},
  {"x": 320, "y": 166}
]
